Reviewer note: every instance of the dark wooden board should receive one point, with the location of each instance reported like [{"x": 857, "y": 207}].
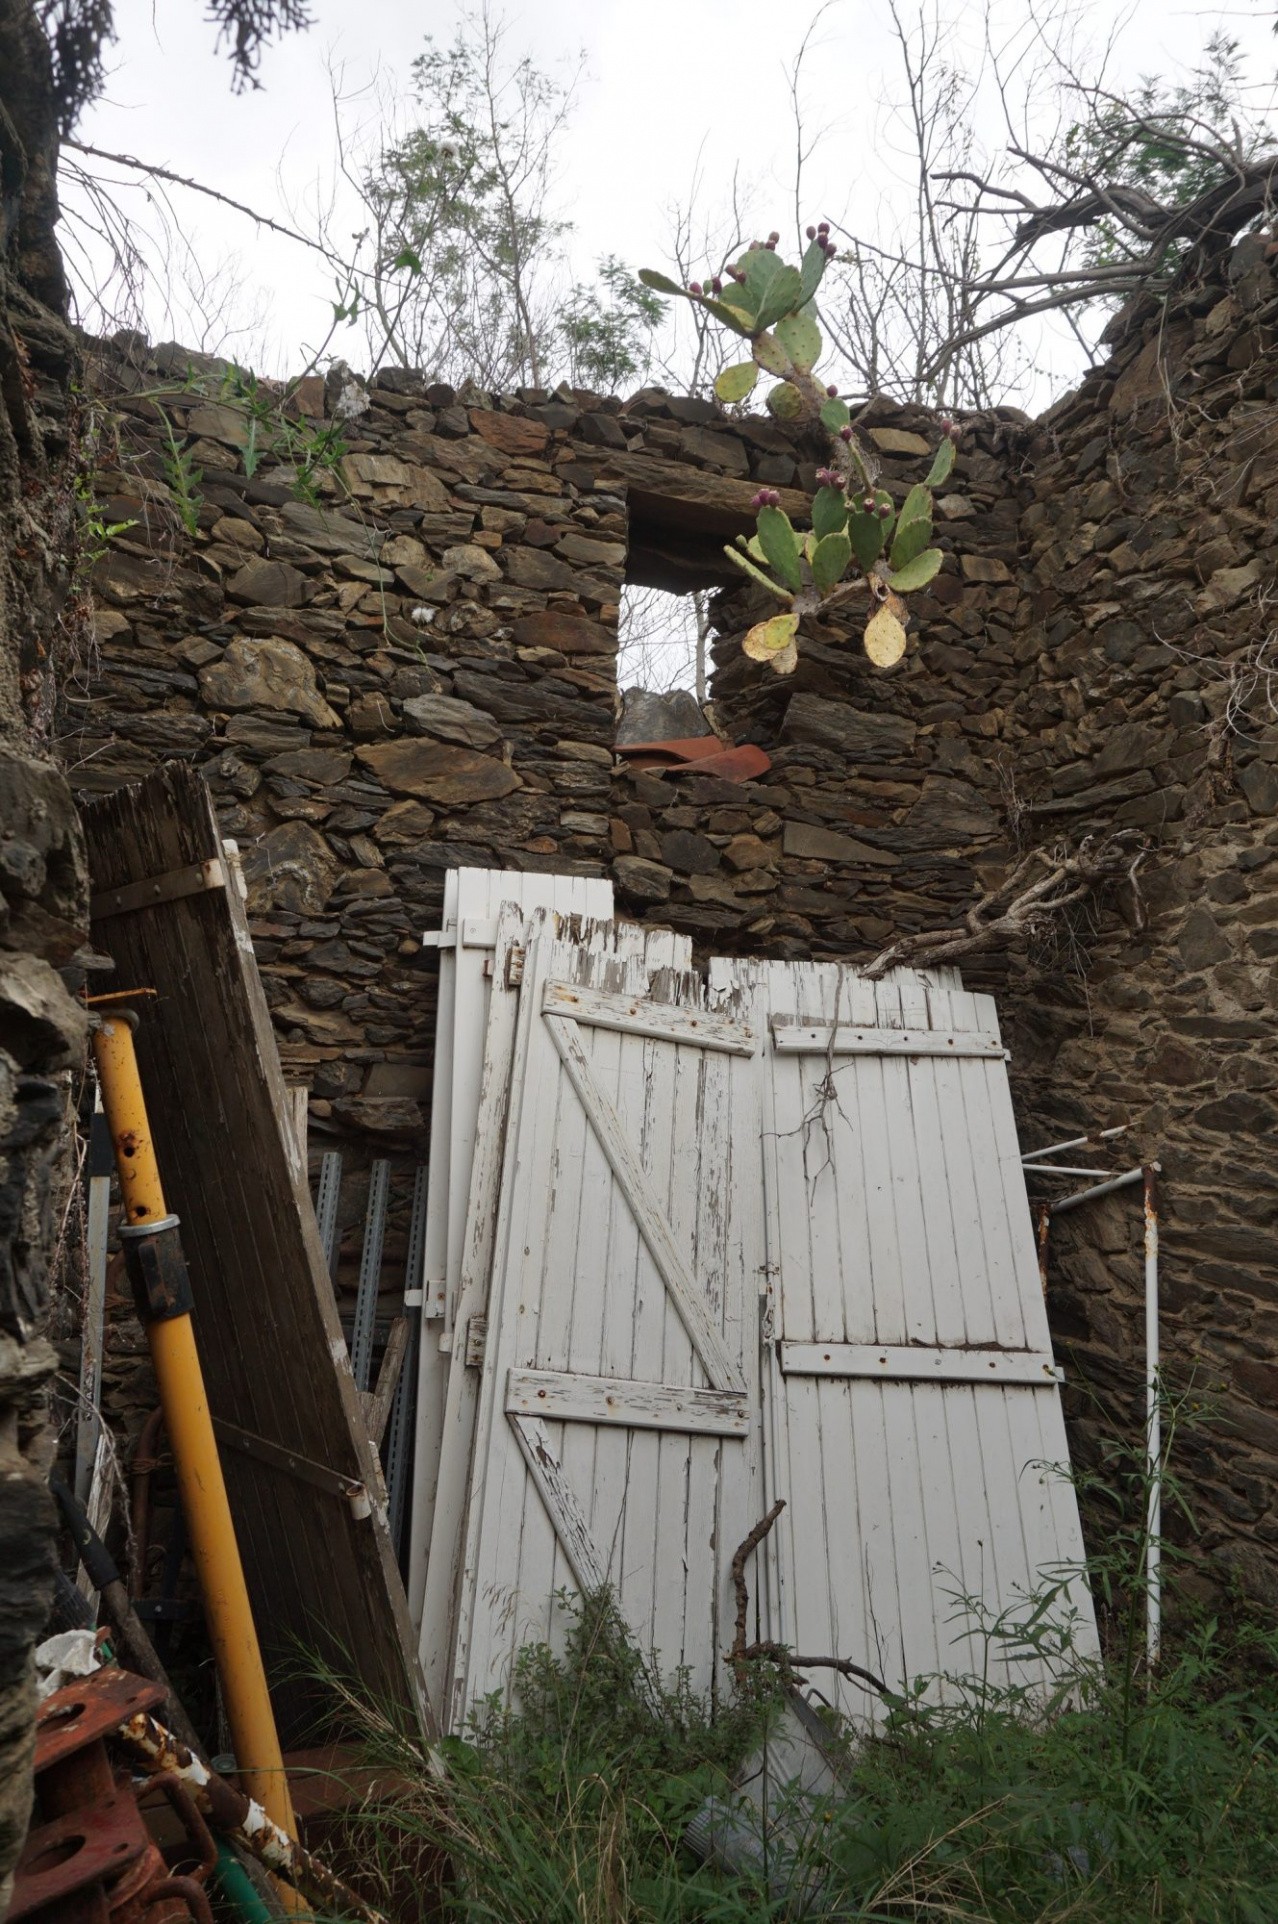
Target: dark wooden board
[{"x": 274, "y": 1358}]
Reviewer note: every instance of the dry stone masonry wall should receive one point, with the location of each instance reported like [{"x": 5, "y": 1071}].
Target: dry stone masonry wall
[{"x": 383, "y": 622}]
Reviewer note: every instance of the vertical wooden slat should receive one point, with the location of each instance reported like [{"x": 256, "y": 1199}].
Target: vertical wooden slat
[{"x": 320, "y": 1578}]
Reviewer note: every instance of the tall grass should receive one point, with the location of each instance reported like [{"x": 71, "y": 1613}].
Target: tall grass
[{"x": 1137, "y": 1797}]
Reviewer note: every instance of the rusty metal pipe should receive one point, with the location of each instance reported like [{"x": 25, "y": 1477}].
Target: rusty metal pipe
[{"x": 230, "y": 1811}]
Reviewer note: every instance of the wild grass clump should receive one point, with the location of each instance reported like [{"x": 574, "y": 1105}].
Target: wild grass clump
[{"x": 1127, "y": 1792}]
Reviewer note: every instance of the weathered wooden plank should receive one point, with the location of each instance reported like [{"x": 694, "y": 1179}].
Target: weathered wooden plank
[
  {"x": 564, "y": 1395},
  {"x": 640, "y": 1015},
  {"x": 562, "y": 1507},
  {"x": 275, "y": 1364},
  {"x": 919, "y": 1365},
  {"x": 818, "y": 1039},
  {"x": 720, "y": 1367}
]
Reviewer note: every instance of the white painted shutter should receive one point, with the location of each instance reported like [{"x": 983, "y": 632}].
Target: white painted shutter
[
  {"x": 616, "y": 1438},
  {"x": 472, "y": 901},
  {"x": 911, "y": 1400}
]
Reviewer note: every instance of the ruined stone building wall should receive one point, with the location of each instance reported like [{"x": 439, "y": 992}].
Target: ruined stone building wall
[{"x": 415, "y": 668}]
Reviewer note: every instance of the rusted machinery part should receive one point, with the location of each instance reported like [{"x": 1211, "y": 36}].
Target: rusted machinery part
[
  {"x": 191, "y": 1894},
  {"x": 154, "y": 1748}
]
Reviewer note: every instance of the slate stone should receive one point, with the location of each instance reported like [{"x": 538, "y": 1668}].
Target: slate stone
[
  {"x": 1201, "y": 940},
  {"x": 267, "y": 674},
  {"x": 691, "y": 854},
  {"x": 512, "y": 433},
  {"x": 451, "y": 720},
  {"x": 1259, "y": 783},
  {"x": 649, "y": 717},
  {"x": 269, "y": 584},
  {"x": 641, "y": 880},
  {"x": 570, "y": 634},
  {"x": 812, "y": 843},
  {"x": 291, "y": 867},
  {"x": 951, "y": 809},
  {"x": 432, "y": 772},
  {"x": 858, "y": 735}
]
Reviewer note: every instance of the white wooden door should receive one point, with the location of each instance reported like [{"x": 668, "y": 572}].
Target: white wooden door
[
  {"x": 617, "y": 1428},
  {"x": 472, "y": 900},
  {"x": 913, "y": 1421}
]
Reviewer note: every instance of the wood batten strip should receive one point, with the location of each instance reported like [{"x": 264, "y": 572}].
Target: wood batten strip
[
  {"x": 637, "y": 1015},
  {"x": 562, "y": 1396}
]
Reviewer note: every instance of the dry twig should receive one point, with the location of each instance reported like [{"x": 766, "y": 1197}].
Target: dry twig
[
  {"x": 1041, "y": 886},
  {"x": 765, "y": 1650}
]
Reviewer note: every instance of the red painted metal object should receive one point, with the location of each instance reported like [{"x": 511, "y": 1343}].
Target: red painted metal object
[{"x": 89, "y": 1857}]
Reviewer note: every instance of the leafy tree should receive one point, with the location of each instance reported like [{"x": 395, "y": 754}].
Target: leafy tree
[{"x": 463, "y": 268}]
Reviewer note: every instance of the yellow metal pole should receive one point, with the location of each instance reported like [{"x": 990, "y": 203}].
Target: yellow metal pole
[{"x": 158, "y": 1272}]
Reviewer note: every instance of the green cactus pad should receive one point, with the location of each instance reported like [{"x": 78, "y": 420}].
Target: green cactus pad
[
  {"x": 941, "y": 465},
  {"x": 800, "y": 336},
  {"x": 917, "y": 505},
  {"x": 785, "y": 402},
  {"x": 756, "y": 574},
  {"x": 830, "y": 558},
  {"x": 812, "y": 268},
  {"x": 661, "y": 283},
  {"x": 730, "y": 316},
  {"x": 829, "y": 512},
  {"x": 735, "y": 295},
  {"x": 866, "y": 533},
  {"x": 834, "y": 415},
  {"x": 911, "y": 539},
  {"x": 780, "y": 544},
  {"x": 735, "y": 383},
  {"x": 770, "y": 355},
  {"x": 784, "y": 291},
  {"x": 918, "y": 572}
]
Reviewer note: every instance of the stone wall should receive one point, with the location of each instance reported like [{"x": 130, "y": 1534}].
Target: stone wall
[
  {"x": 414, "y": 667},
  {"x": 42, "y": 880}
]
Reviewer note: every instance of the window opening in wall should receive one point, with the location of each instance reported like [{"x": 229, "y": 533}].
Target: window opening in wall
[{"x": 663, "y": 639}]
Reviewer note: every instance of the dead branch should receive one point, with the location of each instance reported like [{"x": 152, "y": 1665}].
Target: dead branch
[
  {"x": 1042, "y": 885},
  {"x": 765, "y": 1650},
  {"x": 198, "y": 187}
]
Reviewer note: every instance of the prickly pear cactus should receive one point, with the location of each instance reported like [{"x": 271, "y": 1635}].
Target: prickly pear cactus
[{"x": 859, "y": 542}]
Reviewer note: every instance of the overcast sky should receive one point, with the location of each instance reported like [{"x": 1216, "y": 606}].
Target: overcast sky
[{"x": 665, "y": 81}]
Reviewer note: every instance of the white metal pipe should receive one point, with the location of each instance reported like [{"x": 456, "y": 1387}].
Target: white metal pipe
[
  {"x": 1154, "y": 1440},
  {"x": 1075, "y": 1142},
  {"x": 1059, "y": 1169},
  {"x": 1099, "y": 1189}
]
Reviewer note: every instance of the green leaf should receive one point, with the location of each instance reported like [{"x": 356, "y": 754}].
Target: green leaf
[
  {"x": 918, "y": 572},
  {"x": 779, "y": 543},
  {"x": 811, "y": 269},
  {"x": 800, "y": 336},
  {"x": 865, "y": 532},
  {"x": 917, "y": 505},
  {"x": 829, "y": 559},
  {"x": 769, "y": 355},
  {"x": 735, "y": 383},
  {"x": 782, "y": 296},
  {"x": 834, "y": 415},
  {"x": 911, "y": 539},
  {"x": 661, "y": 283},
  {"x": 765, "y": 581},
  {"x": 941, "y": 464},
  {"x": 408, "y": 257},
  {"x": 785, "y": 402},
  {"x": 829, "y": 512}
]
